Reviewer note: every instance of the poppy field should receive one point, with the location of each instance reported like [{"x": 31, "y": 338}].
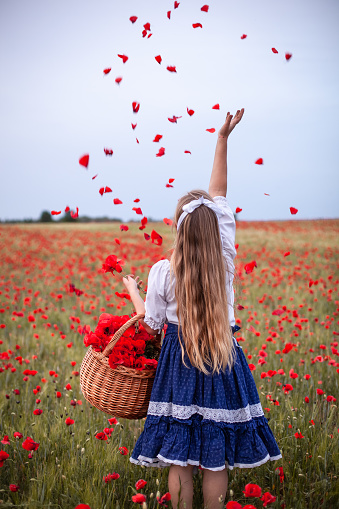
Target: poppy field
[{"x": 57, "y": 451}]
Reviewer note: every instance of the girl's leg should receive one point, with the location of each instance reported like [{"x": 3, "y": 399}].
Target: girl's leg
[
  {"x": 214, "y": 485},
  {"x": 181, "y": 477}
]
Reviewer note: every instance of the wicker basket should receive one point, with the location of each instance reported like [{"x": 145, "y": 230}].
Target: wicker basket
[{"x": 121, "y": 392}]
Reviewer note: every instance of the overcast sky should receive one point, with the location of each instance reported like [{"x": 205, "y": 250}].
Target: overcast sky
[{"x": 57, "y": 105}]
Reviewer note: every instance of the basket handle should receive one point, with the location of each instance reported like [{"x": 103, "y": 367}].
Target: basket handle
[{"x": 118, "y": 335}]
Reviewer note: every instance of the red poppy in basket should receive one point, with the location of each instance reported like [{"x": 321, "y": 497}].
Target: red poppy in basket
[{"x": 111, "y": 264}]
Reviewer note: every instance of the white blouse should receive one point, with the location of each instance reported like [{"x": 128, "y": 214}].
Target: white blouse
[{"x": 160, "y": 303}]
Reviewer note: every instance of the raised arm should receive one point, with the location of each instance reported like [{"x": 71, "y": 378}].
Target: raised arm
[{"x": 218, "y": 181}]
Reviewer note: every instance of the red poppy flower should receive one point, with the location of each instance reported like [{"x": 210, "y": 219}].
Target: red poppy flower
[
  {"x": 112, "y": 264},
  {"x": 252, "y": 490},
  {"x": 139, "y": 498},
  {"x": 101, "y": 436},
  {"x": 69, "y": 421},
  {"x": 140, "y": 484},
  {"x": 3, "y": 457},
  {"x": 123, "y": 451},
  {"x": 29, "y": 445},
  {"x": 111, "y": 477}
]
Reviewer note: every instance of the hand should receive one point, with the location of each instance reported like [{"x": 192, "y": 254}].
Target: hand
[
  {"x": 131, "y": 284},
  {"x": 230, "y": 123}
]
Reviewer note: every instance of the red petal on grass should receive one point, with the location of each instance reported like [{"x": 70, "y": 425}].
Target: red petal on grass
[
  {"x": 147, "y": 237},
  {"x": 84, "y": 160},
  {"x": 197, "y": 25},
  {"x": 168, "y": 221},
  {"x": 169, "y": 14},
  {"x": 212, "y": 130},
  {"x": 108, "y": 151},
  {"x": 107, "y": 70},
  {"x": 157, "y": 137},
  {"x": 124, "y": 58},
  {"x": 216, "y": 107},
  {"x": 133, "y": 19},
  {"x": 205, "y": 8},
  {"x": 161, "y": 152},
  {"x": 187, "y": 152},
  {"x": 135, "y": 106},
  {"x": 243, "y": 36},
  {"x": 55, "y": 213},
  {"x": 118, "y": 80},
  {"x": 176, "y": 5},
  {"x": 171, "y": 68},
  {"x": 158, "y": 59},
  {"x": 274, "y": 50},
  {"x": 137, "y": 210},
  {"x": 288, "y": 56},
  {"x": 147, "y": 26},
  {"x": 259, "y": 161},
  {"x": 238, "y": 209},
  {"x": 108, "y": 189},
  {"x": 293, "y": 210},
  {"x": 190, "y": 112},
  {"x": 101, "y": 190},
  {"x": 95, "y": 176},
  {"x": 116, "y": 201},
  {"x": 171, "y": 180},
  {"x": 133, "y": 126}
]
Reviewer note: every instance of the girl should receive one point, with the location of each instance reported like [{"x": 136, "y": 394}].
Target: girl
[{"x": 204, "y": 409}]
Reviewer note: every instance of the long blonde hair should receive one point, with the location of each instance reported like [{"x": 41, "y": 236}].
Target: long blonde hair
[{"x": 200, "y": 288}]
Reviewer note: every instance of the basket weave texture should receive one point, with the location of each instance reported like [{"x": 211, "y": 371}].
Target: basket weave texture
[{"x": 122, "y": 392}]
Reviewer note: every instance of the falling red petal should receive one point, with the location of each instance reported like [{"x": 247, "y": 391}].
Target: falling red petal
[
  {"x": 136, "y": 200},
  {"x": 157, "y": 137},
  {"x": 169, "y": 14},
  {"x": 147, "y": 26},
  {"x": 171, "y": 180},
  {"x": 243, "y": 36},
  {"x": 133, "y": 126},
  {"x": 124, "y": 228},
  {"x": 190, "y": 112},
  {"x": 133, "y": 19},
  {"x": 144, "y": 33},
  {"x": 118, "y": 80},
  {"x": 176, "y": 5},
  {"x": 161, "y": 152},
  {"x": 108, "y": 189},
  {"x": 197, "y": 25},
  {"x": 74, "y": 215},
  {"x": 55, "y": 213},
  {"x": 259, "y": 161},
  {"x": 287, "y": 253},
  {"x": 293, "y": 210},
  {"x": 124, "y": 58},
  {"x": 174, "y": 119},
  {"x": 274, "y": 50},
  {"x": 108, "y": 70},
  {"x": 149, "y": 35},
  {"x": 108, "y": 151},
  {"x": 171, "y": 68},
  {"x": 101, "y": 190},
  {"x": 238, "y": 209},
  {"x": 168, "y": 221},
  {"x": 158, "y": 59},
  {"x": 212, "y": 130},
  {"x": 147, "y": 237},
  {"x": 187, "y": 152},
  {"x": 137, "y": 210},
  {"x": 137, "y": 140},
  {"x": 156, "y": 238},
  {"x": 84, "y": 160},
  {"x": 168, "y": 185},
  {"x": 135, "y": 106},
  {"x": 240, "y": 307},
  {"x": 95, "y": 176},
  {"x": 67, "y": 209},
  {"x": 288, "y": 56},
  {"x": 116, "y": 201},
  {"x": 266, "y": 194},
  {"x": 205, "y": 8},
  {"x": 117, "y": 241},
  {"x": 216, "y": 107}
]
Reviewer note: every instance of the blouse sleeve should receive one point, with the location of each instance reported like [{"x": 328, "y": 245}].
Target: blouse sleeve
[
  {"x": 156, "y": 304},
  {"x": 227, "y": 227}
]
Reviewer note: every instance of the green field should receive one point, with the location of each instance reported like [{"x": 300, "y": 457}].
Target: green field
[{"x": 41, "y": 323}]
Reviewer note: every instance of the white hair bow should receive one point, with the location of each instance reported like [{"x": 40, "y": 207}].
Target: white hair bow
[{"x": 194, "y": 204}]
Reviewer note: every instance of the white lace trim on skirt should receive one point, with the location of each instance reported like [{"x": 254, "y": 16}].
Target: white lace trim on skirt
[{"x": 216, "y": 414}]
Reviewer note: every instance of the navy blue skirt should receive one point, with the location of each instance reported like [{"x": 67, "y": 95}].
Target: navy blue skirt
[{"x": 213, "y": 421}]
